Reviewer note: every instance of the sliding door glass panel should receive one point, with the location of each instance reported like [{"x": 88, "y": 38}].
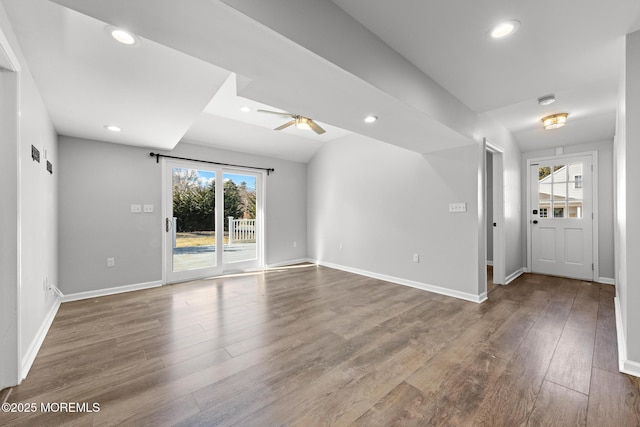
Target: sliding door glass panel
[
  {"x": 194, "y": 224},
  {"x": 240, "y": 225}
]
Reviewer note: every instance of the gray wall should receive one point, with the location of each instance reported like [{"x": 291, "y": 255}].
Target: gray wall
[
  {"x": 605, "y": 198},
  {"x": 99, "y": 181},
  {"x": 35, "y": 203},
  {"x": 383, "y": 203}
]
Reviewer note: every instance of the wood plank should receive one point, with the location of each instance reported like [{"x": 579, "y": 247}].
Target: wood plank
[
  {"x": 511, "y": 400},
  {"x": 312, "y": 345},
  {"x": 584, "y": 313},
  {"x": 614, "y": 399},
  {"x": 559, "y": 406},
  {"x": 605, "y": 355},
  {"x": 571, "y": 363},
  {"x": 401, "y": 406}
]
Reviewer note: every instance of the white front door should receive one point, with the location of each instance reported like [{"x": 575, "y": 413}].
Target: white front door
[{"x": 561, "y": 217}]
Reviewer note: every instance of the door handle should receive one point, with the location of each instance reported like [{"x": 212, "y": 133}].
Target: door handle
[
  {"x": 535, "y": 221},
  {"x": 167, "y": 224},
  {"x": 494, "y": 224}
]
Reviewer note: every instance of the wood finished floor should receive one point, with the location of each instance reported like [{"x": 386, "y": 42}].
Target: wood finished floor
[{"x": 314, "y": 346}]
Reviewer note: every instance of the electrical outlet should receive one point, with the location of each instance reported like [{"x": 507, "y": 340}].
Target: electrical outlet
[
  {"x": 111, "y": 262},
  {"x": 148, "y": 208},
  {"x": 136, "y": 208},
  {"x": 340, "y": 246},
  {"x": 295, "y": 244},
  {"x": 416, "y": 258}
]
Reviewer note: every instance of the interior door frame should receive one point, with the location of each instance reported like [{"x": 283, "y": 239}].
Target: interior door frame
[
  {"x": 499, "y": 239},
  {"x": 11, "y": 372},
  {"x": 595, "y": 206},
  {"x": 260, "y": 218}
]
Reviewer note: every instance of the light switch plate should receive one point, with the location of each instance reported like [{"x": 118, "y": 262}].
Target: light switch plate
[
  {"x": 136, "y": 208},
  {"x": 457, "y": 207},
  {"x": 148, "y": 208}
]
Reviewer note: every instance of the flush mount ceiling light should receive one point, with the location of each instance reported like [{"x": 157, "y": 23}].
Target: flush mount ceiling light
[
  {"x": 122, "y": 36},
  {"x": 546, "y": 100},
  {"x": 370, "y": 119},
  {"x": 504, "y": 29},
  {"x": 112, "y": 128},
  {"x": 554, "y": 121}
]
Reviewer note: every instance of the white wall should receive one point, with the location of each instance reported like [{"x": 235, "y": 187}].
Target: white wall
[
  {"x": 605, "y": 199},
  {"x": 627, "y": 229},
  {"x": 99, "y": 181},
  {"x": 36, "y": 203}
]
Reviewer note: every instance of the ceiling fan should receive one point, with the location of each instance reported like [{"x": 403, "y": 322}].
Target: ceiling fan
[{"x": 301, "y": 122}]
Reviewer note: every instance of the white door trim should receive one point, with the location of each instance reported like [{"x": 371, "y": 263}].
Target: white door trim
[
  {"x": 499, "y": 240},
  {"x": 10, "y": 297},
  {"x": 594, "y": 163}
]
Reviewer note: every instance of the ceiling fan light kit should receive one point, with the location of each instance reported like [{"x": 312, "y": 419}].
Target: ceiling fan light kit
[
  {"x": 555, "y": 121},
  {"x": 301, "y": 122}
]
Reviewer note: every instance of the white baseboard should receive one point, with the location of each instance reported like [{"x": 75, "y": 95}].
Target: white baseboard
[
  {"x": 110, "y": 291},
  {"x": 292, "y": 262},
  {"x": 34, "y": 347},
  {"x": 418, "y": 285},
  {"x": 625, "y": 366},
  {"x": 513, "y": 276},
  {"x": 606, "y": 281},
  {"x": 490, "y": 263}
]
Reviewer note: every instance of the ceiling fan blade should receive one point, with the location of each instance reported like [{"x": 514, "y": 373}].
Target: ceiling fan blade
[
  {"x": 315, "y": 127},
  {"x": 276, "y": 112},
  {"x": 286, "y": 125}
]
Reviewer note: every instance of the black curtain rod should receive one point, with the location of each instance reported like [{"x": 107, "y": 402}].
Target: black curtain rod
[{"x": 157, "y": 156}]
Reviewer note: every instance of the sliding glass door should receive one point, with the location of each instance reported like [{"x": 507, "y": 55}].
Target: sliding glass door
[{"x": 213, "y": 221}]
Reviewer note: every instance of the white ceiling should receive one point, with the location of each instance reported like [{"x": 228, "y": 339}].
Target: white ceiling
[
  {"x": 163, "y": 90},
  {"x": 570, "y": 48},
  {"x": 224, "y": 125},
  {"x": 88, "y": 80}
]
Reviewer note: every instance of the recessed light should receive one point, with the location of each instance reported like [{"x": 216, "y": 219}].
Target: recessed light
[
  {"x": 546, "y": 100},
  {"x": 505, "y": 29},
  {"x": 370, "y": 119},
  {"x": 122, "y": 36},
  {"x": 112, "y": 128},
  {"x": 245, "y": 109}
]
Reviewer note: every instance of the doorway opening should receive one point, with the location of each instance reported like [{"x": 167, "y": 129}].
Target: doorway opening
[{"x": 494, "y": 254}]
